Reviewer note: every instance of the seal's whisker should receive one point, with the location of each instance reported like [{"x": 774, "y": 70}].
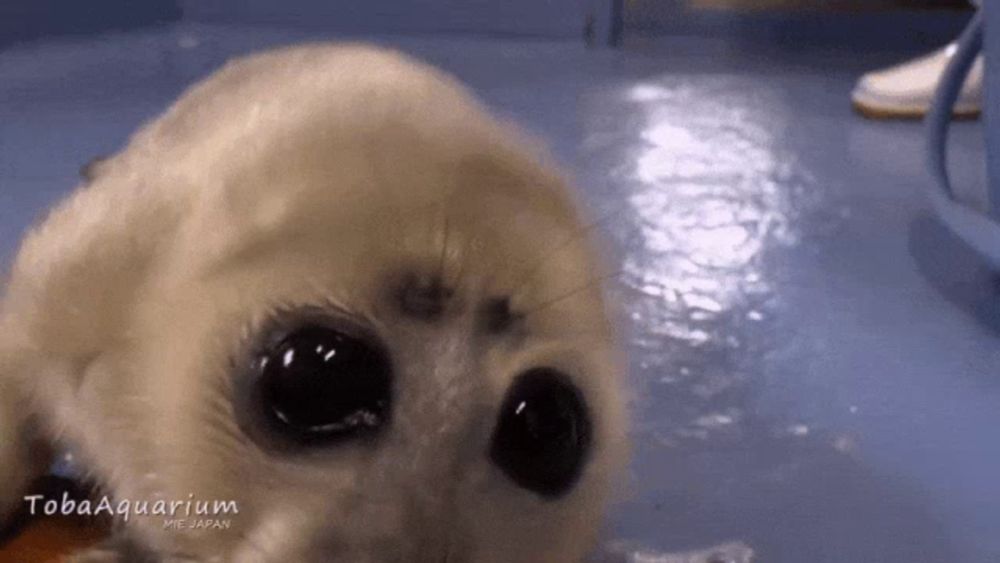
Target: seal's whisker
[
  {"x": 532, "y": 271},
  {"x": 590, "y": 283}
]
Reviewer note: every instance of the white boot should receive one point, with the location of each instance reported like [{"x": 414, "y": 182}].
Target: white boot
[{"x": 906, "y": 90}]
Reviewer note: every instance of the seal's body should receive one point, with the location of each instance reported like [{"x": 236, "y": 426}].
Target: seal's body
[{"x": 325, "y": 286}]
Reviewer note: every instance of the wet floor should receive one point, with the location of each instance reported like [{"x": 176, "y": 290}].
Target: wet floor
[{"x": 814, "y": 357}]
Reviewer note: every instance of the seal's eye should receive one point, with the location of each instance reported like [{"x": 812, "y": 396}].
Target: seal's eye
[
  {"x": 542, "y": 437},
  {"x": 320, "y": 385}
]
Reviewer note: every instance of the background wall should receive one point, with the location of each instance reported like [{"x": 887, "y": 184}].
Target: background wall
[
  {"x": 856, "y": 5},
  {"x": 22, "y": 20},
  {"x": 844, "y": 24},
  {"x": 543, "y": 18}
]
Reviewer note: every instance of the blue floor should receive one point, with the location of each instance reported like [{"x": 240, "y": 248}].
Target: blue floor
[{"x": 814, "y": 357}]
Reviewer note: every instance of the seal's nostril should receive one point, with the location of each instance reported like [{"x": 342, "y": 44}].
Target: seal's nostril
[
  {"x": 320, "y": 385},
  {"x": 497, "y": 315},
  {"x": 423, "y": 298}
]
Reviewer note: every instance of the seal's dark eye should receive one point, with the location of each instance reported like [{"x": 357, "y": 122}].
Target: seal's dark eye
[
  {"x": 320, "y": 385},
  {"x": 542, "y": 437}
]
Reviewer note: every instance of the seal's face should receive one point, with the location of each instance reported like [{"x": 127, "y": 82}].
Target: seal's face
[
  {"x": 372, "y": 322},
  {"x": 408, "y": 377}
]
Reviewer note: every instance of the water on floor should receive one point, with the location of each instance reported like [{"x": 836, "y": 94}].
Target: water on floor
[{"x": 814, "y": 357}]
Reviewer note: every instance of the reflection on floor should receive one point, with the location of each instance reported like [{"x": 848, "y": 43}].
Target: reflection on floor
[{"x": 813, "y": 356}]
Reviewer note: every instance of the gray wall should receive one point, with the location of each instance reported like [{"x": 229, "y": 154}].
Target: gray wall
[
  {"x": 22, "y": 20},
  {"x": 28, "y": 19},
  {"x": 545, "y": 18}
]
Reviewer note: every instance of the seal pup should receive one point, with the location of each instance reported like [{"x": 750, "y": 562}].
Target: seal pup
[{"x": 329, "y": 290}]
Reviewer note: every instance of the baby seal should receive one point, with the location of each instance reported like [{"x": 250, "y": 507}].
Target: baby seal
[{"x": 329, "y": 291}]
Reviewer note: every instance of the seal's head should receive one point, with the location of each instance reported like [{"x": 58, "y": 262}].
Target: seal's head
[{"x": 327, "y": 286}]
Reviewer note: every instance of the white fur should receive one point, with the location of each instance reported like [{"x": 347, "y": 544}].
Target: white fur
[{"x": 304, "y": 177}]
